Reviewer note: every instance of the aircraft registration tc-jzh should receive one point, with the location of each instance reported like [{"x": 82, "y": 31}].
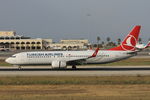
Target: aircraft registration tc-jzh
[{"x": 60, "y": 59}]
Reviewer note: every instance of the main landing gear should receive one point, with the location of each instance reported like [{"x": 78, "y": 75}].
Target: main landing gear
[
  {"x": 74, "y": 67},
  {"x": 19, "y": 67}
]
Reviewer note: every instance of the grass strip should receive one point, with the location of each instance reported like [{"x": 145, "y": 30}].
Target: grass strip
[{"x": 72, "y": 80}]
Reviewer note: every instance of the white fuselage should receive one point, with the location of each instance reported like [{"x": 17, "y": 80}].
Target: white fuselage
[{"x": 47, "y": 57}]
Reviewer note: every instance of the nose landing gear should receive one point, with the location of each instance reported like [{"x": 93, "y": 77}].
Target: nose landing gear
[{"x": 74, "y": 67}]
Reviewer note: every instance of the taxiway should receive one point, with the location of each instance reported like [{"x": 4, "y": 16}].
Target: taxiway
[{"x": 80, "y": 71}]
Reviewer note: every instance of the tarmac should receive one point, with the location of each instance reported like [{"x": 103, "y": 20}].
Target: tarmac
[{"x": 80, "y": 71}]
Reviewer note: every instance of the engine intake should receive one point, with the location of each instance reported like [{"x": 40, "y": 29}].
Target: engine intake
[{"x": 59, "y": 64}]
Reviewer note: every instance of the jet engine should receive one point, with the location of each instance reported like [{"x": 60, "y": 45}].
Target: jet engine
[{"x": 59, "y": 64}]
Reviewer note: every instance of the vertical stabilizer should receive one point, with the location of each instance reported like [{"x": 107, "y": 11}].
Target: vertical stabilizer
[{"x": 130, "y": 41}]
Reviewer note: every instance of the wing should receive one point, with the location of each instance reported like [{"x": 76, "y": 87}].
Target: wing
[{"x": 81, "y": 61}]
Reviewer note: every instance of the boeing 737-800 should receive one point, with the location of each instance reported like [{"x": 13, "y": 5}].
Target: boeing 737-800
[{"x": 60, "y": 59}]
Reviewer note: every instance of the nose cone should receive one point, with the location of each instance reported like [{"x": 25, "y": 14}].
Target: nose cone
[{"x": 8, "y": 60}]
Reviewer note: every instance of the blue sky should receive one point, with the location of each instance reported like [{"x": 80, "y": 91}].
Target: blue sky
[{"x": 75, "y": 19}]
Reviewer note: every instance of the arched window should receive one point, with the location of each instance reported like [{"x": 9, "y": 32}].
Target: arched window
[
  {"x": 12, "y": 38},
  {"x": 74, "y": 47},
  {"x": 7, "y": 45},
  {"x": 64, "y": 48},
  {"x": 22, "y": 47},
  {"x": 33, "y": 47},
  {"x": 17, "y": 43},
  {"x": 27, "y": 47},
  {"x": 38, "y": 47},
  {"x": 2, "y": 38},
  {"x": 17, "y": 38},
  {"x": 38, "y": 42},
  {"x": 69, "y": 47},
  {"x": 22, "y": 42},
  {"x": 27, "y": 42},
  {"x": 18, "y": 48},
  {"x": 1, "y": 43},
  {"x": 12, "y": 43},
  {"x": 6, "y": 38},
  {"x": 32, "y": 42}
]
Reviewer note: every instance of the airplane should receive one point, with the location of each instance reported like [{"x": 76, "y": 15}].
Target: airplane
[
  {"x": 61, "y": 59},
  {"x": 142, "y": 46}
]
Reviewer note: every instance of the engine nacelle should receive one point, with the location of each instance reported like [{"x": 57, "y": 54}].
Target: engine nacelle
[{"x": 59, "y": 64}]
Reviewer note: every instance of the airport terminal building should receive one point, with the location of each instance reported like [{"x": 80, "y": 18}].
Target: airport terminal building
[
  {"x": 10, "y": 41},
  {"x": 69, "y": 45}
]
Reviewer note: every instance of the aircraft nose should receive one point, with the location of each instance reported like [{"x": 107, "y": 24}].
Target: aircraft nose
[{"x": 8, "y": 60}]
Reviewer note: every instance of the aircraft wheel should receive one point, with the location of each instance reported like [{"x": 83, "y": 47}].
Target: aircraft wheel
[
  {"x": 74, "y": 67},
  {"x": 19, "y": 67}
]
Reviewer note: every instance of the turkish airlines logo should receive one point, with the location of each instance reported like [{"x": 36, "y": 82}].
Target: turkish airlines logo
[{"x": 129, "y": 43}]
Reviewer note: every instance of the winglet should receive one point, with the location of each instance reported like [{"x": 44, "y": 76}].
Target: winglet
[
  {"x": 95, "y": 53},
  {"x": 148, "y": 45}
]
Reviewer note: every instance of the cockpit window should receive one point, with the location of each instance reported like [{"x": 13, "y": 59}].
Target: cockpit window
[{"x": 13, "y": 56}]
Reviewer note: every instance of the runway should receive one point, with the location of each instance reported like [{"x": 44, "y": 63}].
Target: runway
[{"x": 81, "y": 71}]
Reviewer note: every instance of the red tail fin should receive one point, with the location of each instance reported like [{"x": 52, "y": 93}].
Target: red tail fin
[{"x": 130, "y": 41}]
